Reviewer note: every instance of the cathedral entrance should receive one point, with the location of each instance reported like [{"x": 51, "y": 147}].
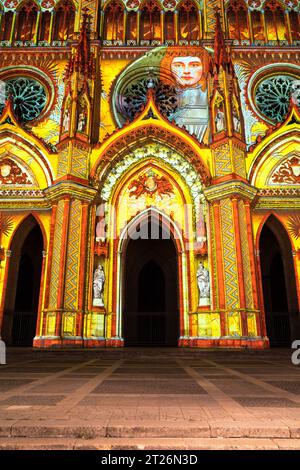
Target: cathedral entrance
[
  {"x": 151, "y": 313},
  {"x": 279, "y": 286},
  {"x": 23, "y": 285}
]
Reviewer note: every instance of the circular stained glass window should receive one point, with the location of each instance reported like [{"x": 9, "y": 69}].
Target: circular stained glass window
[
  {"x": 28, "y": 95},
  {"x": 134, "y": 97},
  {"x": 273, "y": 94}
]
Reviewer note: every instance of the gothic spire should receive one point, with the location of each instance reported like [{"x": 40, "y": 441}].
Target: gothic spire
[{"x": 221, "y": 57}]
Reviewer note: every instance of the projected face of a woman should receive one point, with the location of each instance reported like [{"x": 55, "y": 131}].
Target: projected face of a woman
[{"x": 187, "y": 70}]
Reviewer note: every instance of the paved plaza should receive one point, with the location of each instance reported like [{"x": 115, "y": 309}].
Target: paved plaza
[{"x": 149, "y": 399}]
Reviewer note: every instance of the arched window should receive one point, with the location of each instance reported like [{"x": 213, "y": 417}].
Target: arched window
[
  {"x": 26, "y": 23},
  {"x": 150, "y": 27},
  {"x": 188, "y": 21},
  {"x": 169, "y": 26},
  {"x": 64, "y": 21},
  {"x": 44, "y": 28},
  {"x": 5, "y": 26},
  {"x": 113, "y": 21},
  {"x": 131, "y": 26},
  {"x": 295, "y": 25},
  {"x": 257, "y": 26},
  {"x": 275, "y": 22},
  {"x": 237, "y": 20}
]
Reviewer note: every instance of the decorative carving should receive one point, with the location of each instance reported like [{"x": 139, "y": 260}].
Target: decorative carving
[
  {"x": 150, "y": 184},
  {"x": 157, "y": 134},
  {"x": 11, "y": 173},
  {"x": 6, "y": 224},
  {"x": 288, "y": 172},
  {"x": 101, "y": 248}
]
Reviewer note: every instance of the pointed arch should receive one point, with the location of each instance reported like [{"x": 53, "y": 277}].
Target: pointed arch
[
  {"x": 237, "y": 18},
  {"x": 21, "y": 304},
  {"x": 6, "y": 24},
  {"x": 64, "y": 20},
  {"x": 150, "y": 22},
  {"x": 149, "y": 126},
  {"x": 276, "y": 28},
  {"x": 274, "y": 148},
  {"x": 278, "y": 281},
  {"x": 188, "y": 21},
  {"x": 26, "y": 223},
  {"x": 26, "y": 23},
  {"x": 183, "y": 277},
  {"x": 113, "y": 21},
  {"x": 31, "y": 153}
]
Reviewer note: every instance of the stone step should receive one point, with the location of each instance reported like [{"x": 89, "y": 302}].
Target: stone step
[
  {"x": 148, "y": 429},
  {"x": 148, "y": 444}
]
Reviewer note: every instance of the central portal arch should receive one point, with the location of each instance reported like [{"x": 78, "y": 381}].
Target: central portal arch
[{"x": 152, "y": 266}]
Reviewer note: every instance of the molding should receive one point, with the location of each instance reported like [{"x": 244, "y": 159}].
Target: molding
[
  {"x": 70, "y": 189},
  {"x": 278, "y": 203},
  {"x": 229, "y": 189}
]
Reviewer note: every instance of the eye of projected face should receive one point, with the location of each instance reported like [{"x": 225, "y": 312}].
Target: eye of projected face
[{"x": 187, "y": 70}]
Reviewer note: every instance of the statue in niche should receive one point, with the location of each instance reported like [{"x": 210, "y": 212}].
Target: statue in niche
[
  {"x": 220, "y": 120},
  {"x": 81, "y": 127},
  {"x": 203, "y": 285},
  {"x": 66, "y": 120},
  {"x": 236, "y": 121},
  {"x": 98, "y": 286}
]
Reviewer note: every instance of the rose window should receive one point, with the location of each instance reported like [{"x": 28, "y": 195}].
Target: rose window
[
  {"x": 135, "y": 97},
  {"x": 28, "y": 96},
  {"x": 273, "y": 95}
]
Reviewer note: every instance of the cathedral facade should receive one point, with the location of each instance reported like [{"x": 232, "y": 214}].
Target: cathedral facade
[{"x": 150, "y": 173}]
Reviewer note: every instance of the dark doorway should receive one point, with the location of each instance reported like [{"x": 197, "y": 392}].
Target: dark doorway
[
  {"x": 279, "y": 286},
  {"x": 23, "y": 287},
  {"x": 151, "y": 314}
]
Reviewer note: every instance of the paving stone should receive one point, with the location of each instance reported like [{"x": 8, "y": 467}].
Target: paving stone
[
  {"x": 9, "y": 384},
  {"x": 59, "y": 386},
  {"x": 170, "y": 386},
  {"x": 266, "y": 402},
  {"x": 149, "y": 370},
  {"x": 36, "y": 400},
  {"x": 289, "y": 386},
  {"x": 78, "y": 376},
  {"x": 239, "y": 387}
]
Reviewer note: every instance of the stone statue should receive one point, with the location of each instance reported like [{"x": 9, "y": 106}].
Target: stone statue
[
  {"x": 203, "y": 285},
  {"x": 220, "y": 121},
  {"x": 66, "y": 120},
  {"x": 236, "y": 121},
  {"x": 98, "y": 286},
  {"x": 81, "y": 122},
  {"x": 2, "y": 352}
]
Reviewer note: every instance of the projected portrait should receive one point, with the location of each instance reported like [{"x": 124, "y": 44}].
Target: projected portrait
[{"x": 191, "y": 92}]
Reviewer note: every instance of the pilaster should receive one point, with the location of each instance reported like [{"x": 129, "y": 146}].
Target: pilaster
[{"x": 64, "y": 306}]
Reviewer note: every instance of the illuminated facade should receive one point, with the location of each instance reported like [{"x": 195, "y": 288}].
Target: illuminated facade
[{"x": 178, "y": 117}]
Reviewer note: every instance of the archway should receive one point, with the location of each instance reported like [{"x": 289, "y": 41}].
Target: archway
[
  {"x": 150, "y": 288},
  {"x": 278, "y": 283},
  {"x": 23, "y": 285}
]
